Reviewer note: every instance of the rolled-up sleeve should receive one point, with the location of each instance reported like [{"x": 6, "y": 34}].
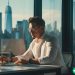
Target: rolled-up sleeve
[{"x": 51, "y": 52}]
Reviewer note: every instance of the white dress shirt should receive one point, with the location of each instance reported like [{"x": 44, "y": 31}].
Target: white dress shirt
[{"x": 46, "y": 51}]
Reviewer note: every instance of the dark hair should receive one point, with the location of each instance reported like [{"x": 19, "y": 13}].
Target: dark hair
[{"x": 37, "y": 22}]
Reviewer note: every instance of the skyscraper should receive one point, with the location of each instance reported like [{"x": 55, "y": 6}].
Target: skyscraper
[
  {"x": 19, "y": 27},
  {"x": 22, "y": 32},
  {"x": 27, "y": 36},
  {"x": 8, "y": 19},
  {"x": 56, "y": 31},
  {"x": 55, "y": 26},
  {"x": 0, "y": 23},
  {"x": 0, "y": 29},
  {"x": 48, "y": 28}
]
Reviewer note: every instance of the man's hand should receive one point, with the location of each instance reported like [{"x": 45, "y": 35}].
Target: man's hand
[
  {"x": 14, "y": 59},
  {"x": 20, "y": 62}
]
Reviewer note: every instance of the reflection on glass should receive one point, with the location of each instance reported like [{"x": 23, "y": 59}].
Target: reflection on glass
[
  {"x": 14, "y": 21},
  {"x": 4, "y": 57},
  {"x": 74, "y": 26},
  {"x": 74, "y": 32},
  {"x": 51, "y": 13}
]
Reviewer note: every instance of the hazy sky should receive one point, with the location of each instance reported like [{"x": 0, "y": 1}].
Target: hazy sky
[{"x": 23, "y": 9}]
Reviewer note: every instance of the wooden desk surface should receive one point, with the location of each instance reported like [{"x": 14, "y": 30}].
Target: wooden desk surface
[{"x": 29, "y": 69}]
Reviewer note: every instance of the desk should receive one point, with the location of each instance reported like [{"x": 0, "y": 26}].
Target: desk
[{"x": 29, "y": 69}]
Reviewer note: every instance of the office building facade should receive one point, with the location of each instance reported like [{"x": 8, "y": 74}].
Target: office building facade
[
  {"x": 8, "y": 19},
  {"x": 0, "y": 23}
]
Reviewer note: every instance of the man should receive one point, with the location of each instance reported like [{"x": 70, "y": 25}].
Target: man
[{"x": 43, "y": 49}]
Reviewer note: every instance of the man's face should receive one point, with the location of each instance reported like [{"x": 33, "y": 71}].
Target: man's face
[{"x": 35, "y": 32}]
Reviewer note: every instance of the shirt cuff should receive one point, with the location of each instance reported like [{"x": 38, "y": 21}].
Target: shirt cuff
[
  {"x": 44, "y": 60},
  {"x": 41, "y": 61},
  {"x": 19, "y": 57}
]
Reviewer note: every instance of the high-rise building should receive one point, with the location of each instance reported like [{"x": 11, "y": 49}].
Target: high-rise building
[
  {"x": 0, "y": 29},
  {"x": 19, "y": 27},
  {"x": 48, "y": 28},
  {"x": 15, "y": 33},
  {"x": 22, "y": 32},
  {"x": 0, "y": 23},
  {"x": 55, "y": 27},
  {"x": 8, "y": 19},
  {"x": 55, "y": 31},
  {"x": 27, "y": 36}
]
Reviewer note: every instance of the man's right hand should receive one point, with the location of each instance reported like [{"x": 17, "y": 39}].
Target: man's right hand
[
  {"x": 20, "y": 62},
  {"x": 14, "y": 59}
]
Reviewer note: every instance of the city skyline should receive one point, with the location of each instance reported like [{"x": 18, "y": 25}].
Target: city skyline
[{"x": 25, "y": 10}]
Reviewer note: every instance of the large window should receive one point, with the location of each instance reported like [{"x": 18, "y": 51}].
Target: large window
[
  {"x": 14, "y": 15},
  {"x": 74, "y": 26},
  {"x": 51, "y": 12}
]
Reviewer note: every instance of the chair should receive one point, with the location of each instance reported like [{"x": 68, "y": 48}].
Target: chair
[{"x": 68, "y": 59}]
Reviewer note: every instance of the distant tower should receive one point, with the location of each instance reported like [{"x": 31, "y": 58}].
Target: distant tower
[
  {"x": 0, "y": 23},
  {"x": 55, "y": 26},
  {"x": 56, "y": 31},
  {"x": 8, "y": 18},
  {"x": 19, "y": 27},
  {"x": 48, "y": 28},
  {"x": 27, "y": 36}
]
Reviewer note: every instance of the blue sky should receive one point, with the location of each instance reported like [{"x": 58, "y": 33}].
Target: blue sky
[{"x": 23, "y": 9}]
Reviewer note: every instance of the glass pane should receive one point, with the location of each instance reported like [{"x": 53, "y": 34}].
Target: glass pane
[
  {"x": 51, "y": 13},
  {"x": 74, "y": 26},
  {"x": 14, "y": 34},
  {"x": 74, "y": 32}
]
